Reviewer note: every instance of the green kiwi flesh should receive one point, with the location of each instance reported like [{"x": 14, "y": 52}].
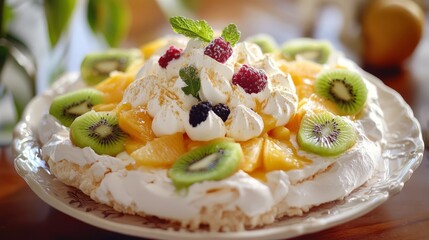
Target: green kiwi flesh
[
  {"x": 343, "y": 87},
  {"x": 66, "y": 108},
  {"x": 96, "y": 67},
  {"x": 265, "y": 42},
  {"x": 310, "y": 49},
  {"x": 214, "y": 161},
  {"x": 99, "y": 131},
  {"x": 325, "y": 134}
]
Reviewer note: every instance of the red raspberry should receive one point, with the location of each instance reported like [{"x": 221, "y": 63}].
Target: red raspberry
[
  {"x": 171, "y": 53},
  {"x": 219, "y": 50},
  {"x": 250, "y": 79}
]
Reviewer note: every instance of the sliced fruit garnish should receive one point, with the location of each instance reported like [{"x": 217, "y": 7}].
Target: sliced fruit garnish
[
  {"x": 326, "y": 134},
  {"x": 343, "y": 87},
  {"x": 252, "y": 154},
  {"x": 114, "y": 87},
  {"x": 137, "y": 123},
  {"x": 99, "y": 131},
  {"x": 211, "y": 162},
  {"x": 278, "y": 155},
  {"x": 160, "y": 152}
]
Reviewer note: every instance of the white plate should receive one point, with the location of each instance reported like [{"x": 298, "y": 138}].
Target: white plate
[{"x": 404, "y": 153}]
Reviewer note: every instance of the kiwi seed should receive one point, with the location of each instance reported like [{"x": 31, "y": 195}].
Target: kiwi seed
[
  {"x": 66, "y": 108},
  {"x": 99, "y": 131},
  {"x": 325, "y": 134},
  {"x": 343, "y": 87},
  {"x": 214, "y": 161}
]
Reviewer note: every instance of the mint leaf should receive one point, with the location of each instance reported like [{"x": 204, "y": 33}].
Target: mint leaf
[
  {"x": 192, "y": 28},
  {"x": 231, "y": 34},
  {"x": 190, "y": 76}
]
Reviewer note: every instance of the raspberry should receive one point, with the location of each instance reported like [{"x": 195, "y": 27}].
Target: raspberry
[
  {"x": 222, "y": 111},
  {"x": 171, "y": 53},
  {"x": 250, "y": 79},
  {"x": 199, "y": 113},
  {"x": 219, "y": 50}
]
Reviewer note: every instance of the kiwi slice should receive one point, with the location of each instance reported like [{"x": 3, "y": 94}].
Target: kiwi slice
[
  {"x": 96, "y": 67},
  {"x": 343, "y": 87},
  {"x": 309, "y": 49},
  {"x": 99, "y": 131},
  {"x": 69, "y": 106},
  {"x": 213, "y": 161},
  {"x": 265, "y": 42},
  {"x": 325, "y": 134}
]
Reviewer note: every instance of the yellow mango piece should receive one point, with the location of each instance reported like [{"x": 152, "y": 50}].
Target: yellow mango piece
[
  {"x": 269, "y": 122},
  {"x": 137, "y": 123},
  {"x": 150, "y": 48},
  {"x": 132, "y": 145},
  {"x": 104, "y": 107},
  {"x": 161, "y": 152},
  {"x": 281, "y": 156},
  {"x": 114, "y": 87},
  {"x": 252, "y": 154},
  {"x": 280, "y": 133}
]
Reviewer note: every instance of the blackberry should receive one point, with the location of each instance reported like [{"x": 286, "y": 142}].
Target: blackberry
[
  {"x": 199, "y": 113},
  {"x": 222, "y": 111}
]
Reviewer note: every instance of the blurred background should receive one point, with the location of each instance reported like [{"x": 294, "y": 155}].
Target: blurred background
[{"x": 42, "y": 39}]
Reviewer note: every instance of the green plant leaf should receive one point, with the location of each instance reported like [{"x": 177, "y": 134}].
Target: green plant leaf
[
  {"x": 231, "y": 34},
  {"x": 111, "y": 18},
  {"x": 7, "y": 16},
  {"x": 58, "y": 13},
  {"x": 4, "y": 52},
  {"x": 190, "y": 76},
  {"x": 192, "y": 28}
]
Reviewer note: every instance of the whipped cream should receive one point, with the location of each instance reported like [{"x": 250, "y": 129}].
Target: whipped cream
[{"x": 156, "y": 87}]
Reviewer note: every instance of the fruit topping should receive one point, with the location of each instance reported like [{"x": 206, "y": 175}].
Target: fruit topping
[
  {"x": 222, "y": 111},
  {"x": 137, "y": 123},
  {"x": 325, "y": 134},
  {"x": 267, "y": 43},
  {"x": 219, "y": 50},
  {"x": 99, "y": 131},
  {"x": 310, "y": 49},
  {"x": 250, "y": 79},
  {"x": 96, "y": 67},
  {"x": 171, "y": 53},
  {"x": 214, "y": 161},
  {"x": 66, "y": 108},
  {"x": 160, "y": 152},
  {"x": 343, "y": 87},
  {"x": 199, "y": 113}
]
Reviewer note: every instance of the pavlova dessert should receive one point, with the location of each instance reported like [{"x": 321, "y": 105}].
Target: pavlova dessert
[{"x": 207, "y": 131}]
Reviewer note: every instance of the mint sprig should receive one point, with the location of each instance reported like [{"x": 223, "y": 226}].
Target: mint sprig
[
  {"x": 190, "y": 76},
  {"x": 192, "y": 28},
  {"x": 231, "y": 34}
]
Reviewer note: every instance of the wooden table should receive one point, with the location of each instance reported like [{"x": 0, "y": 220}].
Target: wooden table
[{"x": 405, "y": 216}]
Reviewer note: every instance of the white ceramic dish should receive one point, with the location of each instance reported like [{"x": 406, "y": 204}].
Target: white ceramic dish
[{"x": 404, "y": 153}]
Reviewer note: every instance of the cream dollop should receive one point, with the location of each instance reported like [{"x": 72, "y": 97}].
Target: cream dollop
[
  {"x": 282, "y": 105},
  {"x": 168, "y": 120},
  {"x": 213, "y": 127},
  {"x": 215, "y": 87},
  {"x": 244, "y": 124}
]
